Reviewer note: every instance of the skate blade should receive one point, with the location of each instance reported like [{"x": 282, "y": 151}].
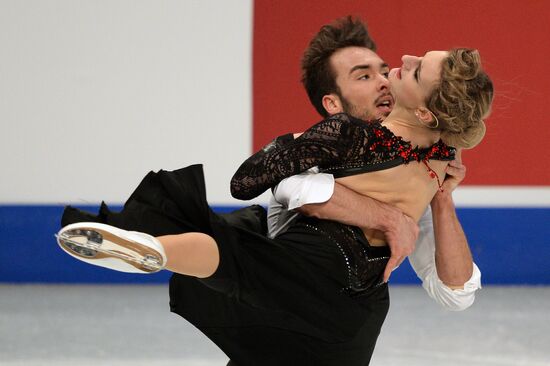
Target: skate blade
[{"x": 90, "y": 244}]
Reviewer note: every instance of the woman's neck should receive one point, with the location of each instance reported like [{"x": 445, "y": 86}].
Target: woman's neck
[{"x": 404, "y": 123}]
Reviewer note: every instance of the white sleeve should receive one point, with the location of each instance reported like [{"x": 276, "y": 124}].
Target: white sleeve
[
  {"x": 308, "y": 187},
  {"x": 423, "y": 262},
  {"x": 293, "y": 192}
]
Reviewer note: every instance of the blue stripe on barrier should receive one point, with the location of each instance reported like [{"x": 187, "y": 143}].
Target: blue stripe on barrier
[{"x": 510, "y": 245}]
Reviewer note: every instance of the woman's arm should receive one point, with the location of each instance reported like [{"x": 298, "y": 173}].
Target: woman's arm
[{"x": 324, "y": 144}]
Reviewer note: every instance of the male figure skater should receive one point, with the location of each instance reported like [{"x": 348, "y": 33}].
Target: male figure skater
[{"x": 342, "y": 73}]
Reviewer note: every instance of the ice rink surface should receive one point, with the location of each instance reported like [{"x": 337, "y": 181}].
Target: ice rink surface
[{"x": 131, "y": 325}]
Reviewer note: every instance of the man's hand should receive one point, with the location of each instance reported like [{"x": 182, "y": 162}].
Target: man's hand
[
  {"x": 401, "y": 234},
  {"x": 456, "y": 172},
  {"x": 351, "y": 208}
]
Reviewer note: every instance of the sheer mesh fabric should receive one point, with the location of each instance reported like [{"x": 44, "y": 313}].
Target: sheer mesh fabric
[{"x": 338, "y": 144}]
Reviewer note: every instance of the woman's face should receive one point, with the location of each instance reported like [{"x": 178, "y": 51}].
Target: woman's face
[{"x": 413, "y": 82}]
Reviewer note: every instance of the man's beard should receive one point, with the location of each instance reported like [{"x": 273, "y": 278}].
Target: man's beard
[{"x": 354, "y": 111}]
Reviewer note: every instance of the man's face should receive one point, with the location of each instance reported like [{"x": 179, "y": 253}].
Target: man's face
[{"x": 361, "y": 76}]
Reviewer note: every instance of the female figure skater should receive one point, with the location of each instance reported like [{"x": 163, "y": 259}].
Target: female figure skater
[{"x": 314, "y": 295}]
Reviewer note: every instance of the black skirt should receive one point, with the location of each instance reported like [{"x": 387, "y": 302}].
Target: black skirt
[{"x": 312, "y": 296}]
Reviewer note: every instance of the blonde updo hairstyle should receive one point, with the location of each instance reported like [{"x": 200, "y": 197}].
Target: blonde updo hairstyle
[{"x": 462, "y": 99}]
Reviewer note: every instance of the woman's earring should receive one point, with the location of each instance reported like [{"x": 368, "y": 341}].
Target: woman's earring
[
  {"x": 433, "y": 115},
  {"x": 436, "y": 120}
]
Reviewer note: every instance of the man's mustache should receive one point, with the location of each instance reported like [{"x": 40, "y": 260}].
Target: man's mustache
[{"x": 386, "y": 97}]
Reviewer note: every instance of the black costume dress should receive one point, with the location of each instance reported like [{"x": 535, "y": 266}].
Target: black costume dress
[{"x": 312, "y": 296}]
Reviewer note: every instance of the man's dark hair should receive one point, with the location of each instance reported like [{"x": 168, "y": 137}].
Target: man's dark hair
[{"x": 317, "y": 74}]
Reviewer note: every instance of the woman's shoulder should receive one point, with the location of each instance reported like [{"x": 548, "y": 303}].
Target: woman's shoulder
[
  {"x": 348, "y": 122},
  {"x": 339, "y": 124},
  {"x": 344, "y": 117}
]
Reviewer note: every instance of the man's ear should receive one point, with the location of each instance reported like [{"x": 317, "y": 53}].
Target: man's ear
[
  {"x": 332, "y": 104},
  {"x": 424, "y": 115}
]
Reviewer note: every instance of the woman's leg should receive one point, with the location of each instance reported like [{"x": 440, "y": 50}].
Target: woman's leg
[{"x": 192, "y": 254}]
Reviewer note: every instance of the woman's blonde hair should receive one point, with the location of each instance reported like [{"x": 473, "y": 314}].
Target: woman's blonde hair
[{"x": 462, "y": 99}]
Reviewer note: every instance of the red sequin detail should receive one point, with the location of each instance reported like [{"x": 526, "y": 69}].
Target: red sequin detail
[{"x": 389, "y": 142}]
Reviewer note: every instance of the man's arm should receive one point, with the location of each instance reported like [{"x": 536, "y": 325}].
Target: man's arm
[
  {"x": 453, "y": 258},
  {"x": 424, "y": 264},
  {"x": 448, "y": 262},
  {"x": 442, "y": 258},
  {"x": 346, "y": 206}
]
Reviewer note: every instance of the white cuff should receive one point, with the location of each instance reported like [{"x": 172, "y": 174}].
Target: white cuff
[
  {"x": 458, "y": 299},
  {"x": 305, "y": 188}
]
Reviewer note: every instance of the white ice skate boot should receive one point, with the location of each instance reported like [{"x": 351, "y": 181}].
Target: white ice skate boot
[{"x": 110, "y": 247}]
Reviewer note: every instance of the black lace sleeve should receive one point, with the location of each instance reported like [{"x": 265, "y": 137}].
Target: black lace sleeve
[{"x": 328, "y": 142}]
